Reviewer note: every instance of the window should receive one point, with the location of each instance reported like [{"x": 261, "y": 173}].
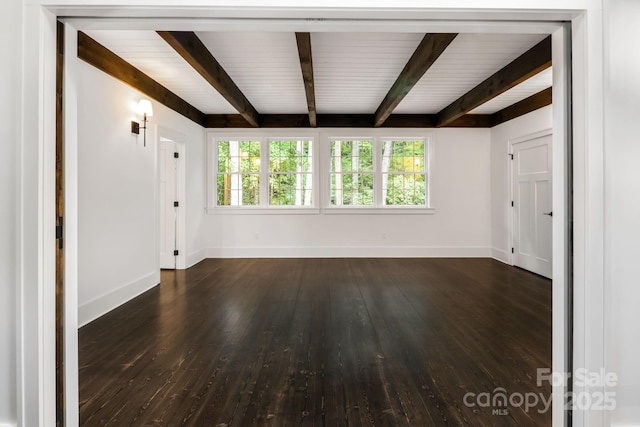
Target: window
[
  {"x": 403, "y": 173},
  {"x": 290, "y": 173},
  {"x": 238, "y": 179},
  {"x": 257, "y": 173},
  {"x": 264, "y": 171},
  {"x": 378, "y": 172},
  {"x": 351, "y": 172}
]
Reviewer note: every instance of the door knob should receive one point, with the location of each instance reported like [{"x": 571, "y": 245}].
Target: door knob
[{"x": 548, "y": 213}]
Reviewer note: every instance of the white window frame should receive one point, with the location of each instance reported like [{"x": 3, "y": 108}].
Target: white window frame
[
  {"x": 263, "y": 136},
  {"x": 377, "y": 136}
]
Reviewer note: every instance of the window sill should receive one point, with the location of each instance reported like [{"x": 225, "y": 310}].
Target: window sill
[
  {"x": 248, "y": 210},
  {"x": 396, "y": 210}
]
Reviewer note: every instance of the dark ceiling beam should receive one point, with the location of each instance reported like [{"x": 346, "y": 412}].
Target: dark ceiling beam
[
  {"x": 191, "y": 48},
  {"x": 344, "y": 121},
  {"x": 527, "y": 105},
  {"x": 520, "y": 69},
  {"x": 306, "y": 65},
  {"x": 103, "y": 59},
  {"x": 427, "y": 52}
]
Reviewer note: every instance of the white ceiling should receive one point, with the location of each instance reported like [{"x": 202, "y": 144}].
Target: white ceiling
[
  {"x": 468, "y": 61},
  {"x": 264, "y": 66},
  {"x": 352, "y": 71}
]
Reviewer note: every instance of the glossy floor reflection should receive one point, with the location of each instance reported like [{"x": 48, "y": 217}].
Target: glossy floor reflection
[{"x": 340, "y": 342}]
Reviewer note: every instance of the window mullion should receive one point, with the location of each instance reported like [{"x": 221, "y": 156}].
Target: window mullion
[
  {"x": 264, "y": 172},
  {"x": 377, "y": 173}
]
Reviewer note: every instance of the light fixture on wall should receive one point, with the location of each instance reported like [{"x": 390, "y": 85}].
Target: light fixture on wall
[{"x": 146, "y": 110}]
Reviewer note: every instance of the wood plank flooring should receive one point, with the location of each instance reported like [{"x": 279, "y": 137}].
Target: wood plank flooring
[{"x": 321, "y": 342}]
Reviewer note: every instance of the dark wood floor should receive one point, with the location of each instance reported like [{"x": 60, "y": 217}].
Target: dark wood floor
[{"x": 337, "y": 342}]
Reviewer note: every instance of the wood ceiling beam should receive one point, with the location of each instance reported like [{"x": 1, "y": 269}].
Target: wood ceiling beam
[
  {"x": 344, "y": 121},
  {"x": 103, "y": 59},
  {"x": 427, "y": 52},
  {"x": 520, "y": 69},
  {"x": 527, "y": 105},
  {"x": 306, "y": 65},
  {"x": 191, "y": 48}
]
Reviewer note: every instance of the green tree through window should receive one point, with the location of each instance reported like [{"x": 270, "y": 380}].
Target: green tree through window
[
  {"x": 238, "y": 177},
  {"x": 290, "y": 173}
]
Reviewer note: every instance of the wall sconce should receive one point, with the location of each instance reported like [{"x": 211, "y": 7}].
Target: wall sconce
[{"x": 146, "y": 110}]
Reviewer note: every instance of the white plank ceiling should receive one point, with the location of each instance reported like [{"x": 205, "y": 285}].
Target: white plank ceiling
[
  {"x": 353, "y": 71},
  {"x": 468, "y": 61},
  {"x": 149, "y": 53},
  {"x": 264, "y": 66}
]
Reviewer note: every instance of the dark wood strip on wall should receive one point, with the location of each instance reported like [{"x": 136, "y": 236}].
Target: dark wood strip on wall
[{"x": 60, "y": 273}]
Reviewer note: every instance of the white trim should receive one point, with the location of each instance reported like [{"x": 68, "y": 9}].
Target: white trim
[
  {"x": 260, "y": 210},
  {"x": 337, "y": 19},
  {"x": 350, "y": 252},
  {"x": 502, "y": 256},
  {"x": 180, "y": 141},
  {"x": 71, "y": 229},
  {"x": 589, "y": 203},
  {"x": 8, "y": 425},
  {"x": 103, "y": 304},
  {"x": 561, "y": 53},
  {"x": 390, "y": 210},
  {"x": 35, "y": 247},
  {"x": 195, "y": 257}
]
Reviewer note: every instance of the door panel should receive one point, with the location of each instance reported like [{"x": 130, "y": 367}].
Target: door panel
[{"x": 532, "y": 222}]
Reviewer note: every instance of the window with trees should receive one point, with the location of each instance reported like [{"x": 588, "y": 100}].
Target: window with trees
[
  {"x": 290, "y": 173},
  {"x": 403, "y": 173},
  {"x": 352, "y": 172},
  {"x": 265, "y": 172},
  {"x": 262, "y": 172},
  {"x": 378, "y": 172},
  {"x": 238, "y": 177}
]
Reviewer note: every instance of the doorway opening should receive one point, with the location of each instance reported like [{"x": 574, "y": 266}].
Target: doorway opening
[
  {"x": 177, "y": 260},
  {"x": 170, "y": 202}
]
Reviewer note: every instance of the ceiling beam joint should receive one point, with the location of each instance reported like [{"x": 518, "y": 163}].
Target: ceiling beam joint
[
  {"x": 95, "y": 54},
  {"x": 427, "y": 52},
  {"x": 190, "y": 47},
  {"x": 530, "y": 63}
]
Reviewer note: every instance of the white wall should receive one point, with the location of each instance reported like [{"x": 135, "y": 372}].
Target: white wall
[
  {"x": 622, "y": 206},
  {"x": 460, "y": 226},
  {"x": 9, "y": 136},
  {"x": 117, "y": 192},
  {"x": 528, "y": 124}
]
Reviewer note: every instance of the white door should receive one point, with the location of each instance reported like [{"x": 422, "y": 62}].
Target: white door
[
  {"x": 532, "y": 205},
  {"x": 168, "y": 201}
]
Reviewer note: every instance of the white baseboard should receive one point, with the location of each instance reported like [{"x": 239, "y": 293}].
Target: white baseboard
[
  {"x": 195, "y": 257},
  {"x": 7, "y": 425},
  {"x": 100, "y": 306},
  {"x": 500, "y": 255},
  {"x": 349, "y": 252}
]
